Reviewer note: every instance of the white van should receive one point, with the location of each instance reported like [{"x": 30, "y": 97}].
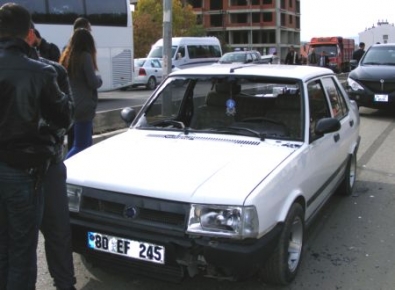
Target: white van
[{"x": 190, "y": 51}]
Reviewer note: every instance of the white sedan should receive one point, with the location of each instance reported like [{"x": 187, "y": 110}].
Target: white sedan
[
  {"x": 147, "y": 72},
  {"x": 220, "y": 173}
]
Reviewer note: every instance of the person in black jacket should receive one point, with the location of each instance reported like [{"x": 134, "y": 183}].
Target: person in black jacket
[
  {"x": 55, "y": 225},
  {"x": 292, "y": 56},
  {"x": 46, "y": 49},
  {"x": 32, "y": 109},
  {"x": 357, "y": 55}
]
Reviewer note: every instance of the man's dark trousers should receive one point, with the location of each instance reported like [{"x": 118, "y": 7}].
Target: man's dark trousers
[
  {"x": 20, "y": 213},
  {"x": 56, "y": 227}
]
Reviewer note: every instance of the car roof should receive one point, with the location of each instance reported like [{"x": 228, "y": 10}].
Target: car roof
[
  {"x": 241, "y": 52},
  {"x": 301, "y": 72}
]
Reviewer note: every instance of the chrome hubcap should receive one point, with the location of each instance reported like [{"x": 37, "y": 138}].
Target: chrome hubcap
[{"x": 295, "y": 244}]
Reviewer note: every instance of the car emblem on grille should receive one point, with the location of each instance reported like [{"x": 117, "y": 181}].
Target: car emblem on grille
[
  {"x": 130, "y": 212},
  {"x": 382, "y": 84}
]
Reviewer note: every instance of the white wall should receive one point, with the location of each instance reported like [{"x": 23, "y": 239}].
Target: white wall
[{"x": 383, "y": 32}]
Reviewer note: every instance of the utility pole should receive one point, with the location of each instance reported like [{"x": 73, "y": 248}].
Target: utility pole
[
  {"x": 167, "y": 65},
  {"x": 167, "y": 35}
]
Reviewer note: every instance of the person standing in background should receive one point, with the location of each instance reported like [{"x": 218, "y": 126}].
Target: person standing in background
[
  {"x": 55, "y": 225},
  {"x": 31, "y": 106},
  {"x": 46, "y": 49},
  {"x": 79, "y": 58},
  {"x": 324, "y": 59},
  {"x": 80, "y": 22},
  {"x": 292, "y": 57},
  {"x": 312, "y": 58},
  {"x": 357, "y": 55}
]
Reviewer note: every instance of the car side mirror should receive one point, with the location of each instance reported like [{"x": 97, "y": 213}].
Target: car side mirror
[
  {"x": 327, "y": 125},
  {"x": 128, "y": 114}
]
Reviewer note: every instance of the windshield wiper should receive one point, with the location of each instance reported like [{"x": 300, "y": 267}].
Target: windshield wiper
[
  {"x": 168, "y": 122},
  {"x": 236, "y": 129}
]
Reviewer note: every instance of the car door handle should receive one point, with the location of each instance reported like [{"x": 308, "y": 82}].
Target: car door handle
[
  {"x": 336, "y": 137},
  {"x": 351, "y": 123}
]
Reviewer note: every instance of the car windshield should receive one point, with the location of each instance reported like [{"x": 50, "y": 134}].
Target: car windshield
[
  {"x": 157, "y": 52},
  {"x": 379, "y": 55},
  {"x": 330, "y": 50},
  {"x": 247, "y": 106}
]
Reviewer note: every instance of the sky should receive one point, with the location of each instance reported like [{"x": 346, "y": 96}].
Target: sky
[{"x": 344, "y": 18}]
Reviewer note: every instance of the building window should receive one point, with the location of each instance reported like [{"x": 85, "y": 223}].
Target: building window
[
  {"x": 255, "y": 2},
  {"x": 290, "y": 3},
  {"x": 199, "y": 19},
  {"x": 283, "y": 4},
  {"x": 256, "y": 17},
  {"x": 215, "y": 5},
  {"x": 267, "y": 16},
  {"x": 195, "y": 3},
  {"x": 216, "y": 20},
  {"x": 236, "y": 2},
  {"x": 240, "y": 37},
  {"x": 267, "y": 2},
  {"x": 239, "y": 17},
  {"x": 283, "y": 19},
  {"x": 290, "y": 19}
]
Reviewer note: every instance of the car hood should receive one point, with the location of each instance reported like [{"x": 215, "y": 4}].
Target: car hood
[
  {"x": 177, "y": 167},
  {"x": 373, "y": 72}
]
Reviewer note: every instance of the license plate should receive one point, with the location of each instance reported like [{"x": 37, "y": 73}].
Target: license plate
[
  {"x": 128, "y": 248},
  {"x": 381, "y": 98}
]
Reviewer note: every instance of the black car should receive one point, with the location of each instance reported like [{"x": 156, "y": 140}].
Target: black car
[{"x": 372, "y": 83}]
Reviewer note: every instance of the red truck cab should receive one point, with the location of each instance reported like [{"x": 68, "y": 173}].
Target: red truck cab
[{"x": 338, "y": 49}]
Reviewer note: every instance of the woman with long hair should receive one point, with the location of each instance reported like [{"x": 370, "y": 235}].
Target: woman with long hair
[{"x": 79, "y": 58}]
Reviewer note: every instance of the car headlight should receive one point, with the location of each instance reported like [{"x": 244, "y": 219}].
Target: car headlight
[
  {"x": 354, "y": 85},
  {"x": 74, "y": 195},
  {"x": 223, "y": 221}
]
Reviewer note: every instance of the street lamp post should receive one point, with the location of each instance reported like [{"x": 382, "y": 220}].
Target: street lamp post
[{"x": 167, "y": 35}]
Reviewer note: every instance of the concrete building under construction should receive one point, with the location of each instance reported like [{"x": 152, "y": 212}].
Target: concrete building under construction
[{"x": 263, "y": 25}]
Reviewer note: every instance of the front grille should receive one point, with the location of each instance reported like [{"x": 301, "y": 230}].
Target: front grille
[
  {"x": 375, "y": 86},
  {"x": 134, "y": 209}
]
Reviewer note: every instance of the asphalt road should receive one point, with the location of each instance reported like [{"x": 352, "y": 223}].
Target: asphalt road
[{"x": 349, "y": 246}]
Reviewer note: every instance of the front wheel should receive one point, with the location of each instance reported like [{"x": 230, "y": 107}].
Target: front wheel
[{"x": 282, "y": 266}]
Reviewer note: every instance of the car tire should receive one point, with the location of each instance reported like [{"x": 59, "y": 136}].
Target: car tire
[
  {"x": 282, "y": 266},
  {"x": 151, "y": 84},
  {"x": 347, "y": 185}
]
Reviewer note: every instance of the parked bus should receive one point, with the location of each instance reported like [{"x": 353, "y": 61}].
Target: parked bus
[
  {"x": 190, "y": 51},
  {"x": 112, "y": 29}
]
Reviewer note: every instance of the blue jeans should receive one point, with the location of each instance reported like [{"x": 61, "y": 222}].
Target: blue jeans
[
  {"x": 82, "y": 137},
  {"x": 20, "y": 215}
]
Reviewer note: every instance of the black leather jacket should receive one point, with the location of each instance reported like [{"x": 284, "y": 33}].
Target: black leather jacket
[
  {"x": 64, "y": 86},
  {"x": 33, "y": 110}
]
